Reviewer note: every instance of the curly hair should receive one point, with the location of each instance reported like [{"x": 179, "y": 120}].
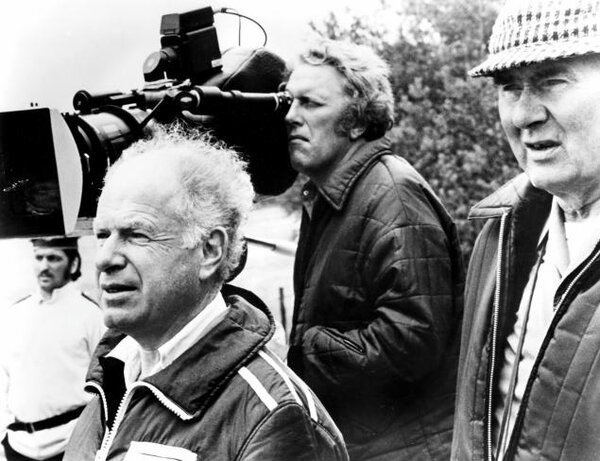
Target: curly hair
[
  {"x": 214, "y": 188},
  {"x": 367, "y": 84}
]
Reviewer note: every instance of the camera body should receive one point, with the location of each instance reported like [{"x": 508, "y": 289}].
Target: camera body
[{"x": 190, "y": 48}]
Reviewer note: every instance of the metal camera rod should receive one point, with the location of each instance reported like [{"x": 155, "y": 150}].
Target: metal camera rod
[
  {"x": 147, "y": 98},
  {"x": 210, "y": 100},
  {"x": 198, "y": 100}
]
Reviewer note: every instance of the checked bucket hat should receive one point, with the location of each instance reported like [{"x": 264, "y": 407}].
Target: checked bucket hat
[{"x": 532, "y": 31}]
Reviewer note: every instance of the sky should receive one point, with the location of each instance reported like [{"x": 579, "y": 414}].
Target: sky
[{"x": 53, "y": 48}]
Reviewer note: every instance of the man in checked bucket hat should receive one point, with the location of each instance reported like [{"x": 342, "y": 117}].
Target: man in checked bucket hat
[{"x": 529, "y": 373}]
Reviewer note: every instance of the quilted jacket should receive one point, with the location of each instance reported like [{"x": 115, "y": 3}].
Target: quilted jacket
[
  {"x": 559, "y": 416},
  {"x": 225, "y": 398},
  {"x": 378, "y": 283}
]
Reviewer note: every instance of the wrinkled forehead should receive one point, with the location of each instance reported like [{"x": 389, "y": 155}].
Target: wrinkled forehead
[
  {"x": 141, "y": 175},
  {"x": 532, "y": 71},
  {"x": 569, "y": 67},
  {"x": 138, "y": 204},
  {"x": 322, "y": 79}
]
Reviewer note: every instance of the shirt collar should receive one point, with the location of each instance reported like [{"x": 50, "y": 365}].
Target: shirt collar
[
  {"x": 563, "y": 253},
  {"x": 557, "y": 252},
  {"x": 57, "y": 295},
  {"x": 140, "y": 363}
]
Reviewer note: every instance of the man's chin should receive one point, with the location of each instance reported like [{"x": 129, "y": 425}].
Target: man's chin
[
  {"x": 120, "y": 320},
  {"x": 298, "y": 163}
]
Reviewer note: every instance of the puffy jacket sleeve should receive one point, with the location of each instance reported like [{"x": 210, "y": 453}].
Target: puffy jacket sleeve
[
  {"x": 410, "y": 271},
  {"x": 288, "y": 433},
  {"x": 87, "y": 435}
]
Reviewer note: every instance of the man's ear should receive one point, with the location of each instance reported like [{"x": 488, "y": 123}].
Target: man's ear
[
  {"x": 356, "y": 132},
  {"x": 74, "y": 266},
  {"x": 213, "y": 249}
]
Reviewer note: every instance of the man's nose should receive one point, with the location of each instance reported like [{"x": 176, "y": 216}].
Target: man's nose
[
  {"x": 43, "y": 264},
  {"x": 528, "y": 110},
  {"x": 109, "y": 256},
  {"x": 292, "y": 116}
]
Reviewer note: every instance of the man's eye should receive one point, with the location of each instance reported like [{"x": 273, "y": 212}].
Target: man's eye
[
  {"x": 306, "y": 102},
  {"x": 100, "y": 235},
  {"x": 139, "y": 236},
  {"x": 551, "y": 82},
  {"x": 509, "y": 91},
  {"x": 511, "y": 87}
]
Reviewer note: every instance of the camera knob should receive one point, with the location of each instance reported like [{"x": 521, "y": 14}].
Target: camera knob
[
  {"x": 153, "y": 67},
  {"x": 188, "y": 100},
  {"x": 160, "y": 64}
]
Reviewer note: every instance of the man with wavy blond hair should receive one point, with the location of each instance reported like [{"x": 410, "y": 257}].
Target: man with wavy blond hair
[{"x": 378, "y": 271}]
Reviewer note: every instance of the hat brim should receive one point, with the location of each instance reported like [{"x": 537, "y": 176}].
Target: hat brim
[
  {"x": 535, "y": 53},
  {"x": 59, "y": 243}
]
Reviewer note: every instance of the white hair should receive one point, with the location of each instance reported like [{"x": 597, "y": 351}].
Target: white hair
[{"x": 214, "y": 188}]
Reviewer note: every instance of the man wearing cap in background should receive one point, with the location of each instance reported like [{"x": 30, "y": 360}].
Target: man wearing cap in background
[
  {"x": 46, "y": 344},
  {"x": 529, "y": 374}
]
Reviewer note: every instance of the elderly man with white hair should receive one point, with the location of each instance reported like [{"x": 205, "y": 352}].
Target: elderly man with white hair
[{"x": 183, "y": 373}]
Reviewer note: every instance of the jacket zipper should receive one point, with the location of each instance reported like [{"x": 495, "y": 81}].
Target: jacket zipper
[
  {"x": 101, "y": 393},
  {"x": 494, "y": 339},
  {"x": 102, "y": 453},
  {"x": 110, "y": 434},
  {"x": 559, "y": 308}
]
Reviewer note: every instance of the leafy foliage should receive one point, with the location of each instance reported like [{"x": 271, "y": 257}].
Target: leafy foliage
[{"x": 447, "y": 124}]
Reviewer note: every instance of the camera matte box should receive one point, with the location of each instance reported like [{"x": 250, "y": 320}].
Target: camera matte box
[{"x": 40, "y": 174}]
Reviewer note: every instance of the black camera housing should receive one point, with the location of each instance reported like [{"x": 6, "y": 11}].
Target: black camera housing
[{"x": 190, "y": 48}]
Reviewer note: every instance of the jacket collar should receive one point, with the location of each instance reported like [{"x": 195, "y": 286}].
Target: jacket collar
[
  {"x": 141, "y": 362},
  {"x": 527, "y": 209},
  {"x": 338, "y": 185},
  {"x": 201, "y": 372},
  {"x": 515, "y": 195}
]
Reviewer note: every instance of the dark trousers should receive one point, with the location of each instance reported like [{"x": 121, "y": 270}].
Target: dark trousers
[{"x": 12, "y": 455}]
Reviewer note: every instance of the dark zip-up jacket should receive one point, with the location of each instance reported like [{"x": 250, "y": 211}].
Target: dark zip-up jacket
[
  {"x": 558, "y": 417},
  {"x": 378, "y": 282},
  {"x": 225, "y": 398}
]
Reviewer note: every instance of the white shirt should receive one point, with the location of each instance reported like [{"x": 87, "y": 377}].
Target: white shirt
[
  {"x": 45, "y": 350},
  {"x": 140, "y": 362},
  {"x": 568, "y": 244}
]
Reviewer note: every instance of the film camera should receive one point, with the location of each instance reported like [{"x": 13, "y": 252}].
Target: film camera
[{"x": 52, "y": 164}]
